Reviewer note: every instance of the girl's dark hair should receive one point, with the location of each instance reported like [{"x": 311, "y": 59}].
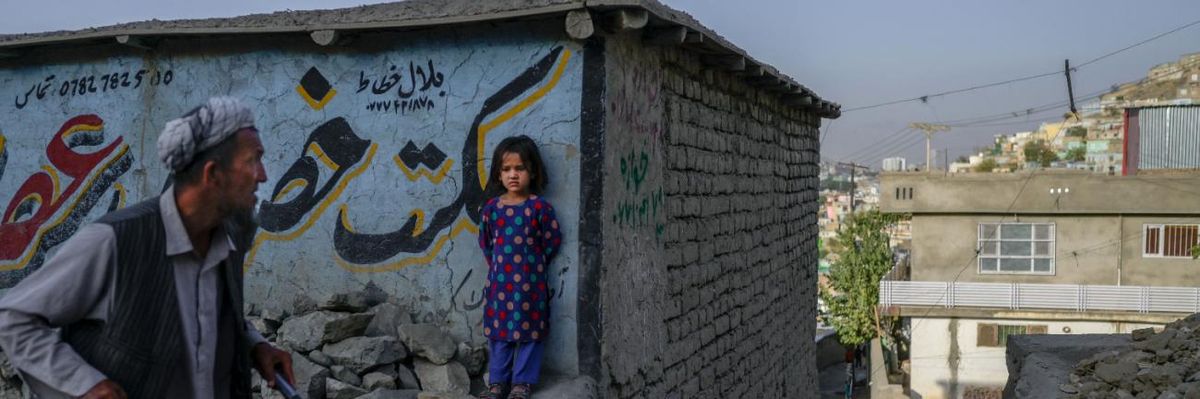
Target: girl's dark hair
[{"x": 524, "y": 147}]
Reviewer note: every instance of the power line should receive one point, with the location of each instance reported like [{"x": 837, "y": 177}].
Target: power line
[
  {"x": 925, "y": 98},
  {"x": 894, "y": 136},
  {"x": 1190, "y": 24}
]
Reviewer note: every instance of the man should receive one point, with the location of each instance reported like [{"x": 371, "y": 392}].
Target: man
[{"x": 149, "y": 298}]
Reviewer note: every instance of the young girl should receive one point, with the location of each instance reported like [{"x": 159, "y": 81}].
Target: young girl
[{"x": 519, "y": 236}]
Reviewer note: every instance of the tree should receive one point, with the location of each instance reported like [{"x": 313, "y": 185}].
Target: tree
[
  {"x": 1077, "y": 131},
  {"x": 1077, "y": 154},
  {"x": 986, "y": 166},
  {"x": 853, "y": 291},
  {"x": 1040, "y": 153}
]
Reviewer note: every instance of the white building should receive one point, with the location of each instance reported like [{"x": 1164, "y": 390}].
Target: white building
[{"x": 895, "y": 164}]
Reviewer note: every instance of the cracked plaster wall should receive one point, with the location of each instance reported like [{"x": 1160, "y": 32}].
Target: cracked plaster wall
[{"x": 339, "y": 152}]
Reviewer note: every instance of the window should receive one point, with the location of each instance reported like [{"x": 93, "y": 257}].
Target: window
[
  {"x": 1169, "y": 240},
  {"x": 1006, "y": 248},
  {"x": 996, "y": 335}
]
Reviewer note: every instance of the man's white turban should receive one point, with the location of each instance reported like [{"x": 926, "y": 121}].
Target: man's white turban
[{"x": 200, "y": 129}]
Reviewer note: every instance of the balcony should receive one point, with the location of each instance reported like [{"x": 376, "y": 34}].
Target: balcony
[{"x": 1051, "y": 297}]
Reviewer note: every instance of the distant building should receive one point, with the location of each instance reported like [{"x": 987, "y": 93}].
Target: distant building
[
  {"x": 895, "y": 164},
  {"x": 1062, "y": 252}
]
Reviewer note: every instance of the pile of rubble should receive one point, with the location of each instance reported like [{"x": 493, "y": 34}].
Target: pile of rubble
[
  {"x": 1160, "y": 365},
  {"x": 362, "y": 346},
  {"x": 359, "y": 345}
]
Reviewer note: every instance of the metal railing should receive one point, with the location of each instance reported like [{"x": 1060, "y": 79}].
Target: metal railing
[{"x": 1070, "y": 297}]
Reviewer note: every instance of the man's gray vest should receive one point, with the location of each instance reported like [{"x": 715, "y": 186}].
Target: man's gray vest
[{"x": 141, "y": 346}]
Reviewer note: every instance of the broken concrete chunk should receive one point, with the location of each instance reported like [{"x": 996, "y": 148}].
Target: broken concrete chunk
[
  {"x": 310, "y": 378},
  {"x": 344, "y": 374},
  {"x": 377, "y": 380},
  {"x": 309, "y": 331},
  {"x": 339, "y": 390},
  {"x": 391, "y": 394},
  {"x": 474, "y": 358},
  {"x": 362, "y": 353},
  {"x": 1142, "y": 334},
  {"x": 1115, "y": 371},
  {"x": 320, "y": 358},
  {"x": 388, "y": 317},
  {"x": 450, "y": 377},
  {"x": 427, "y": 341}
]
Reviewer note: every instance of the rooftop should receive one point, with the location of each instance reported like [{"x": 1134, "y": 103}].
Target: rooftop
[{"x": 662, "y": 21}]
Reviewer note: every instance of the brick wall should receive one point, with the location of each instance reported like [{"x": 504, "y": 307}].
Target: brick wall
[{"x": 737, "y": 239}]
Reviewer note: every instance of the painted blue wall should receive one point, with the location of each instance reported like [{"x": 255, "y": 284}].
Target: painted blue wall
[{"x": 373, "y": 160}]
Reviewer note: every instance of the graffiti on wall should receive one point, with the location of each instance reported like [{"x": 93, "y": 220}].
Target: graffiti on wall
[
  {"x": 334, "y": 154},
  {"x": 635, "y": 105},
  {"x": 354, "y": 194},
  {"x": 640, "y": 205},
  {"x": 87, "y": 85},
  {"x": 52, "y": 202},
  {"x": 373, "y": 252},
  {"x": 410, "y": 87}
]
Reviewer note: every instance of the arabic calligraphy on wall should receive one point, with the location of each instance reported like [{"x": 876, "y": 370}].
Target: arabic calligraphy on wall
[{"x": 43, "y": 212}]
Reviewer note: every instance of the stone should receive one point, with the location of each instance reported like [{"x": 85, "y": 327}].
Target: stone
[
  {"x": 449, "y": 377},
  {"x": 1156, "y": 342},
  {"x": 1142, "y": 334},
  {"x": 1064, "y": 388},
  {"x": 353, "y": 302},
  {"x": 309, "y": 331},
  {"x": 362, "y": 353},
  {"x": 6, "y": 369},
  {"x": 581, "y": 387},
  {"x": 392, "y": 394},
  {"x": 376, "y": 380},
  {"x": 310, "y": 378},
  {"x": 406, "y": 378},
  {"x": 320, "y": 358},
  {"x": 388, "y": 317},
  {"x": 473, "y": 358},
  {"x": 344, "y": 374},
  {"x": 427, "y": 341},
  {"x": 264, "y": 326},
  {"x": 272, "y": 315},
  {"x": 441, "y": 395},
  {"x": 339, "y": 390},
  {"x": 303, "y": 304},
  {"x": 1113, "y": 372}
]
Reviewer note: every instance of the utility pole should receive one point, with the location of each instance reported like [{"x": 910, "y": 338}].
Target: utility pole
[
  {"x": 946, "y": 159},
  {"x": 853, "y": 187},
  {"x": 929, "y": 129}
]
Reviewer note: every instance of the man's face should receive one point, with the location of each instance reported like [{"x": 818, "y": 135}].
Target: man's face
[{"x": 243, "y": 176}]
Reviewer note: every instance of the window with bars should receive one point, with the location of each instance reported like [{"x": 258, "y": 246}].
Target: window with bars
[
  {"x": 1016, "y": 248},
  {"x": 996, "y": 335},
  {"x": 1169, "y": 240}
]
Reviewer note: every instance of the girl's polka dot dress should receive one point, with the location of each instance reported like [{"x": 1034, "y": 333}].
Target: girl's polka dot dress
[{"x": 518, "y": 241}]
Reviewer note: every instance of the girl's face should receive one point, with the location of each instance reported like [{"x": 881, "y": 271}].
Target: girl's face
[{"x": 514, "y": 173}]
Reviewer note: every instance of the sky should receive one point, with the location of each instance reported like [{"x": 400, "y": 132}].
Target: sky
[{"x": 855, "y": 53}]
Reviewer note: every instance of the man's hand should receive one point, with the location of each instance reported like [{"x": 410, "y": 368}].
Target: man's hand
[
  {"x": 107, "y": 389},
  {"x": 266, "y": 357}
]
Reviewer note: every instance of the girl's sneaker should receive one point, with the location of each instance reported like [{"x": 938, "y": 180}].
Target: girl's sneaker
[
  {"x": 520, "y": 391},
  {"x": 494, "y": 391}
]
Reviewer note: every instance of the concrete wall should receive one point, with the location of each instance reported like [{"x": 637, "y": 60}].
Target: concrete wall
[
  {"x": 946, "y": 361},
  {"x": 1088, "y": 249},
  {"x": 728, "y": 306},
  {"x": 1086, "y": 193},
  {"x": 375, "y": 153}
]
